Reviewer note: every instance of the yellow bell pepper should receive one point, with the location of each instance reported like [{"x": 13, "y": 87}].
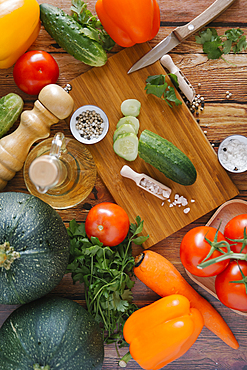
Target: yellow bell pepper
[{"x": 19, "y": 28}]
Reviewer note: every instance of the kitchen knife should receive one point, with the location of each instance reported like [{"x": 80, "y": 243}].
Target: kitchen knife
[{"x": 181, "y": 33}]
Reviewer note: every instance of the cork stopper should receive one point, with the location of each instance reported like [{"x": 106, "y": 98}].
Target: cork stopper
[{"x": 56, "y": 100}]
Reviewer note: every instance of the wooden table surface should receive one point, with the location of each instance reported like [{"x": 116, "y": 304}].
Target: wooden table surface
[{"x": 220, "y": 118}]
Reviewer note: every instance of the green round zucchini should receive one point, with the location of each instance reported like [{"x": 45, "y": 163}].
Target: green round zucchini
[
  {"x": 34, "y": 248},
  {"x": 51, "y": 333},
  {"x": 167, "y": 158}
]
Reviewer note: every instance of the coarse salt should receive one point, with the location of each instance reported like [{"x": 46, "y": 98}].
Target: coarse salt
[
  {"x": 233, "y": 155},
  {"x": 180, "y": 201},
  {"x": 154, "y": 188}
]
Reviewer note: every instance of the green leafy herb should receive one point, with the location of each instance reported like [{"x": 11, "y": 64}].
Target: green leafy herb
[
  {"x": 106, "y": 273},
  {"x": 215, "y": 46},
  {"x": 158, "y": 86},
  {"x": 92, "y": 25}
]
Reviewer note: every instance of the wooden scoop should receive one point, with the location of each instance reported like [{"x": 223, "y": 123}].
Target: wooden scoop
[{"x": 147, "y": 183}]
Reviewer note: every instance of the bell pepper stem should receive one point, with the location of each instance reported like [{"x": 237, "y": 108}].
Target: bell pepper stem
[{"x": 125, "y": 359}]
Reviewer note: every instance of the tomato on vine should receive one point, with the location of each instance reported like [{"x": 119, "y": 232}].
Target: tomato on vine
[
  {"x": 231, "y": 285},
  {"x": 203, "y": 243},
  {"x": 236, "y": 234},
  {"x": 108, "y": 222}
]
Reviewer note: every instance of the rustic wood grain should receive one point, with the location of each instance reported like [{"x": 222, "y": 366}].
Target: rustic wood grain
[{"x": 220, "y": 118}]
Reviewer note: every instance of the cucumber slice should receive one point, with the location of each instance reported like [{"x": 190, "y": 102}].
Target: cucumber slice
[
  {"x": 131, "y": 121},
  {"x": 126, "y": 146},
  {"x": 126, "y": 128},
  {"x": 131, "y": 107}
]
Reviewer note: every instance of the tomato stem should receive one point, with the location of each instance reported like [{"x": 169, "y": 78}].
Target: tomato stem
[
  {"x": 225, "y": 256},
  {"x": 243, "y": 281},
  {"x": 243, "y": 241},
  {"x": 216, "y": 246}
]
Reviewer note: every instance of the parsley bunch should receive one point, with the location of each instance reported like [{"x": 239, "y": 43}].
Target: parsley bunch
[
  {"x": 106, "y": 273},
  {"x": 158, "y": 86},
  {"x": 92, "y": 25},
  {"x": 215, "y": 46}
]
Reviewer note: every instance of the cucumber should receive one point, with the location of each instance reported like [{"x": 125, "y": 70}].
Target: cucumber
[
  {"x": 126, "y": 146},
  {"x": 11, "y": 106},
  {"x": 131, "y": 121},
  {"x": 131, "y": 107},
  {"x": 70, "y": 35},
  {"x": 167, "y": 158},
  {"x": 126, "y": 128}
]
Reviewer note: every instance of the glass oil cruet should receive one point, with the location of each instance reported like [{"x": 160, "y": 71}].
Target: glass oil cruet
[
  {"x": 53, "y": 104},
  {"x": 60, "y": 171}
]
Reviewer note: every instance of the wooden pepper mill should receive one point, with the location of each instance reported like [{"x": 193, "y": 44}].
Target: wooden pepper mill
[{"x": 53, "y": 104}]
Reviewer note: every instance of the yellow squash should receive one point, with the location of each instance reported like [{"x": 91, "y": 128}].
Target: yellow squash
[{"x": 19, "y": 28}]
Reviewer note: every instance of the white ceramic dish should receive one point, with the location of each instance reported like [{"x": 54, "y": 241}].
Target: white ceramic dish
[
  {"x": 75, "y": 131},
  {"x": 237, "y": 167}
]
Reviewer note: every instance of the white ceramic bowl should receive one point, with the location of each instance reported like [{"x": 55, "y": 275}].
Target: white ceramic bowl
[
  {"x": 232, "y": 153},
  {"x": 75, "y": 132}
]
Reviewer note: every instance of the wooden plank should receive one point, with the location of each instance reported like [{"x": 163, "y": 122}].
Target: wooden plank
[{"x": 107, "y": 87}]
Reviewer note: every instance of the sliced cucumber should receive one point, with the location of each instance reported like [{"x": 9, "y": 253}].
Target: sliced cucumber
[
  {"x": 126, "y": 146},
  {"x": 131, "y": 107},
  {"x": 131, "y": 121},
  {"x": 126, "y": 128}
]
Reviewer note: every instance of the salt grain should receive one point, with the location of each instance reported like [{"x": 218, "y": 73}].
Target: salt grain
[{"x": 186, "y": 210}]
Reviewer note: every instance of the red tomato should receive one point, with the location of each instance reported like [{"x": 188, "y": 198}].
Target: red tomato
[
  {"x": 34, "y": 70},
  {"x": 232, "y": 295},
  {"x": 234, "y": 229},
  {"x": 108, "y": 222},
  {"x": 194, "y": 248}
]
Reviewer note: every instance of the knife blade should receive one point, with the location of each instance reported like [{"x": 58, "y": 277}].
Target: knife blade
[{"x": 181, "y": 33}]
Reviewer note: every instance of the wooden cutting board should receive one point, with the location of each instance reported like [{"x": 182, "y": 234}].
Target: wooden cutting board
[{"x": 106, "y": 87}]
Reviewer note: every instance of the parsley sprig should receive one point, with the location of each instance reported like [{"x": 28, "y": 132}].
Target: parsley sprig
[
  {"x": 106, "y": 273},
  {"x": 158, "y": 86},
  {"x": 92, "y": 25},
  {"x": 215, "y": 46}
]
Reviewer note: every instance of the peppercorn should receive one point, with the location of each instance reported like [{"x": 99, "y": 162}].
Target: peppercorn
[{"x": 89, "y": 124}]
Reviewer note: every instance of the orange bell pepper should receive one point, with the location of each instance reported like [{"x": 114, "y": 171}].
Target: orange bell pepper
[
  {"x": 129, "y": 22},
  {"x": 162, "y": 331},
  {"x": 19, "y": 28}
]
